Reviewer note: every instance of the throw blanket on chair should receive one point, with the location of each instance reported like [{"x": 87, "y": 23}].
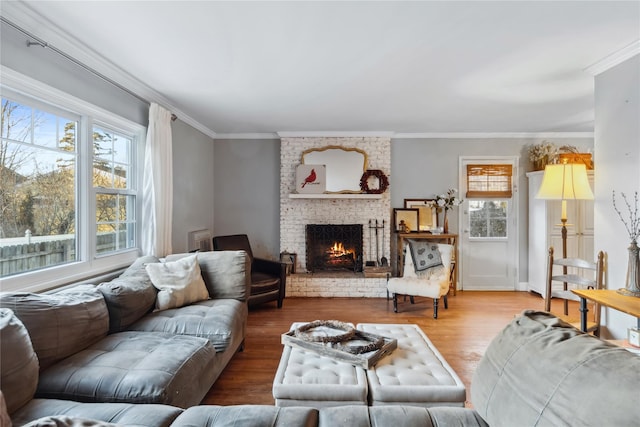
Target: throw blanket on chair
[{"x": 425, "y": 257}]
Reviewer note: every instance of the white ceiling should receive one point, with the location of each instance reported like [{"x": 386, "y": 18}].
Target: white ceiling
[{"x": 422, "y": 67}]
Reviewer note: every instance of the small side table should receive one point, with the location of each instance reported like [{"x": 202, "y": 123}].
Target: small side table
[{"x": 608, "y": 298}]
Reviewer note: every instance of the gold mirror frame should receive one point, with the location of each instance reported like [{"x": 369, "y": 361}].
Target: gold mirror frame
[{"x": 344, "y": 169}]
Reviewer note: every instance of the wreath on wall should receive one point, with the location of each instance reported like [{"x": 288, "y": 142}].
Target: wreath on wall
[{"x": 383, "y": 181}]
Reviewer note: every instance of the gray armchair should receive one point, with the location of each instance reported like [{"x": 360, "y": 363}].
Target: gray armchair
[{"x": 268, "y": 278}]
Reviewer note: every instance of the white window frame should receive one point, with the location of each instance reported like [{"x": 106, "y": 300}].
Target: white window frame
[{"x": 88, "y": 263}]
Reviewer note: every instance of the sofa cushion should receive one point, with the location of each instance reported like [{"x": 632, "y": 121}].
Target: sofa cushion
[
  {"x": 247, "y": 415},
  {"x": 134, "y": 367},
  {"x": 179, "y": 282},
  {"x": 130, "y": 296},
  {"x": 219, "y": 321},
  {"x": 60, "y": 324},
  {"x": 540, "y": 370},
  {"x": 262, "y": 283},
  {"x": 226, "y": 273},
  {"x": 355, "y": 416},
  {"x": 19, "y": 364},
  {"x": 445, "y": 416},
  {"x": 122, "y": 414}
]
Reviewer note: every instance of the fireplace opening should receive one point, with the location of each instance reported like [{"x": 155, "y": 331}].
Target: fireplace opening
[{"x": 333, "y": 247}]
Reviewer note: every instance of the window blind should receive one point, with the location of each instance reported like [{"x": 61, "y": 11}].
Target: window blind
[{"x": 489, "y": 181}]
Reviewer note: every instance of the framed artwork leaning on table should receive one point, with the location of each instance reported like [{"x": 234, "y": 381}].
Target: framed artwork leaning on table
[{"x": 427, "y": 213}]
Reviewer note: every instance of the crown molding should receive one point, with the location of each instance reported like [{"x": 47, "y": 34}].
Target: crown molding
[
  {"x": 336, "y": 134},
  {"x": 271, "y": 135},
  {"x": 614, "y": 59},
  {"x": 20, "y": 14},
  {"x": 492, "y": 135},
  {"x": 401, "y": 135}
]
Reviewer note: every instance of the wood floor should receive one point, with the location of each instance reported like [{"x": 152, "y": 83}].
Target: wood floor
[{"x": 460, "y": 333}]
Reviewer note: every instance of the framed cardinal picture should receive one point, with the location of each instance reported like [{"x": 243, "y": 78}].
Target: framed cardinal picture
[{"x": 311, "y": 179}]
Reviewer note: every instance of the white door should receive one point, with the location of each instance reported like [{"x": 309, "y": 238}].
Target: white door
[{"x": 488, "y": 234}]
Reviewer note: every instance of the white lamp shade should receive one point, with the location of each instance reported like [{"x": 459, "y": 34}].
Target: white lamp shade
[{"x": 565, "y": 182}]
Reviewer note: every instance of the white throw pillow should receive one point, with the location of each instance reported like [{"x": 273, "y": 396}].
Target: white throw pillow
[{"x": 179, "y": 282}]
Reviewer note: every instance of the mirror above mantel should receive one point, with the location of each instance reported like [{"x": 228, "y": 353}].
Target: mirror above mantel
[{"x": 344, "y": 167}]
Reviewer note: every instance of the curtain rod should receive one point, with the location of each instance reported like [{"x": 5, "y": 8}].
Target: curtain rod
[{"x": 40, "y": 42}]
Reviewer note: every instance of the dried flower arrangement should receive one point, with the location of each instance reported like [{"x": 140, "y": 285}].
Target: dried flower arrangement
[
  {"x": 633, "y": 225},
  {"x": 543, "y": 154}
]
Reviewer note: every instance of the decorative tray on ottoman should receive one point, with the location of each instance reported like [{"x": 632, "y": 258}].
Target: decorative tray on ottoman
[{"x": 340, "y": 341}]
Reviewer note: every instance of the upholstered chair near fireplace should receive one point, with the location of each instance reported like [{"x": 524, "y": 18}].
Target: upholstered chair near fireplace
[
  {"x": 427, "y": 270},
  {"x": 268, "y": 278}
]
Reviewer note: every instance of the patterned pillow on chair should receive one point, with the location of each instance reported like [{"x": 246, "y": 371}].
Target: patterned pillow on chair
[{"x": 425, "y": 254}]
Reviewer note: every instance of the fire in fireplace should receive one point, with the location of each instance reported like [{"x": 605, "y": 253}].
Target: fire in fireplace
[{"x": 334, "y": 247}]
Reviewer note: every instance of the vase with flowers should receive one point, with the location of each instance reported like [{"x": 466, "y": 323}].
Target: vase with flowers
[
  {"x": 445, "y": 202},
  {"x": 632, "y": 282}
]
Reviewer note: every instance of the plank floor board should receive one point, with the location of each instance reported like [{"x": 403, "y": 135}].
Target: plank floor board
[{"x": 460, "y": 333}]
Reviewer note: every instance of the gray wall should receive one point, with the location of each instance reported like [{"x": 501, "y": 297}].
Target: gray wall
[
  {"x": 193, "y": 176},
  {"x": 421, "y": 168},
  {"x": 193, "y": 151},
  {"x": 617, "y": 149},
  {"x": 246, "y": 177},
  {"x": 48, "y": 67},
  {"x": 247, "y": 188}
]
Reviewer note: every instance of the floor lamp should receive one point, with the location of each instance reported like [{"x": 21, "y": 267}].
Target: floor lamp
[{"x": 565, "y": 181}]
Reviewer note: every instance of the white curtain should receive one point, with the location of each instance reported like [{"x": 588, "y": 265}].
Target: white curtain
[{"x": 157, "y": 185}]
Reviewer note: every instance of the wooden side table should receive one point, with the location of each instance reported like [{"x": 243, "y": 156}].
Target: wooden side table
[
  {"x": 608, "y": 298},
  {"x": 451, "y": 239}
]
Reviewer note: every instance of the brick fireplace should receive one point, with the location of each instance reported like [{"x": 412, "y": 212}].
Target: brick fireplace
[{"x": 297, "y": 213}]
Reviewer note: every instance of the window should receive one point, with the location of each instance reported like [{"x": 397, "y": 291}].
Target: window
[
  {"x": 488, "y": 189},
  {"x": 115, "y": 198},
  {"x": 38, "y": 198},
  {"x": 488, "y": 218},
  {"x": 68, "y": 197}
]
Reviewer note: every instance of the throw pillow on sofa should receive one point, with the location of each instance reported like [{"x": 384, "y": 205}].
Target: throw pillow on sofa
[
  {"x": 129, "y": 296},
  {"x": 179, "y": 282}
]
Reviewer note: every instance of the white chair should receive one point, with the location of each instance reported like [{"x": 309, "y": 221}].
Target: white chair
[{"x": 431, "y": 283}]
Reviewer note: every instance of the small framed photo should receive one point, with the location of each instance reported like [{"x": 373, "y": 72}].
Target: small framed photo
[
  {"x": 428, "y": 214},
  {"x": 405, "y": 220}
]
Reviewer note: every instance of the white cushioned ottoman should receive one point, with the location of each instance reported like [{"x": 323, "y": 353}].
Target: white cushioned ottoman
[
  {"x": 304, "y": 378},
  {"x": 415, "y": 374}
]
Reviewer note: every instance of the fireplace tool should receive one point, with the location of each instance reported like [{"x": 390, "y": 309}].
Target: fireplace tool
[
  {"x": 379, "y": 260},
  {"x": 383, "y": 260},
  {"x": 370, "y": 263}
]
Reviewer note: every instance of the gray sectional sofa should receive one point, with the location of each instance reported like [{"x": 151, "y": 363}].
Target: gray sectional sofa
[
  {"x": 84, "y": 365},
  {"x": 97, "y": 343}
]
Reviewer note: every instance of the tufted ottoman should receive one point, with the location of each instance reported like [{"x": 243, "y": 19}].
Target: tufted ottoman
[
  {"x": 305, "y": 378},
  {"x": 414, "y": 374}
]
